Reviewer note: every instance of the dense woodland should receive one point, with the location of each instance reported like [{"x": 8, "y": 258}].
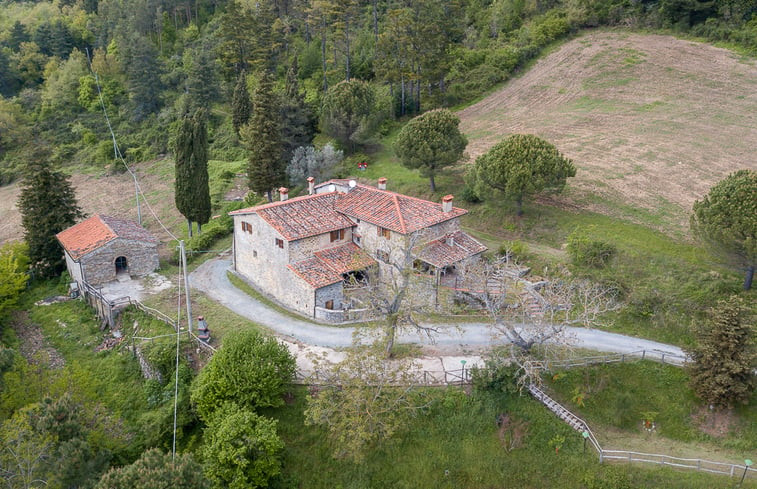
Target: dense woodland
[
  {"x": 215, "y": 72},
  {"x": 152, "y": 58}
]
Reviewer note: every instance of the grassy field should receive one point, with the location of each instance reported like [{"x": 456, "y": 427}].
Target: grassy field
[{"x": 456, "y": 444}]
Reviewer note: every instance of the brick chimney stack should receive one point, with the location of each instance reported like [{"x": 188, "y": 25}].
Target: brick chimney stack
[
  {"x": 311, "y": 185},
  {"x": 382, "y": 183},
  {"x": 447, "y": 203},
  {"x": 284, "y": 193}
]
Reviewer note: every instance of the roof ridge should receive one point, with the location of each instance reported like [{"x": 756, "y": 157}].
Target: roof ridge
[
  {"x": 399, "y": 213},
  {"x": 280, "y": 203},
  {"x": 105, "y": 223}
]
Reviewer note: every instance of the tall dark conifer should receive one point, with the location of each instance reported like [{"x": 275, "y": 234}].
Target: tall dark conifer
[
  {"x": 262, "y": 137},
  {"x": 48, "y": 206},
  {"x": 298, "y": 122},
  {"x": 190, "y": 145},
  {"x": 241, "y": 106}
]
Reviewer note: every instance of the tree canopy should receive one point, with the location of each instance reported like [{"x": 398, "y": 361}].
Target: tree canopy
[
  {"x": 14, "y": 263},
  {"x": 250, "y": 370},
  {"x": 723, "y": 358},
  {"x": 519, "y": 166},
  {"x": 48, "y": 206},
  {"x": 241, "y": 449},
  {"x": 155, "y": 470},
  {"x": 726, "y": 219},
  {"x": 430, "y": 142},
  {"x": 347, "y": 114},
  {"x": 266, "y": 168},
  {"x": 191, "y": 190}
]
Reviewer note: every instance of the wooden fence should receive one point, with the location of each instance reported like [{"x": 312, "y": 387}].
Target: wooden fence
[{"x": 578, "y": 424}]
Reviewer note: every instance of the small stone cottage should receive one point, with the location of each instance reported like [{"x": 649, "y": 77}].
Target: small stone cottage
[
  {"x": 303, "y": 251},
  {"x": 101, "y": 247}
]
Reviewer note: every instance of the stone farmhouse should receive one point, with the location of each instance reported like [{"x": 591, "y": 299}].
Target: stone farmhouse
[
  {"x": 100, "y": 248},
  {"x": 302, "y": 251}
]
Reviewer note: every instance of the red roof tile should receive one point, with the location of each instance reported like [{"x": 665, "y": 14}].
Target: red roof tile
[
  {"x": 440, "y": 254},
  {"x": 98, "y": 230},
  {"x": 327, "y": 266},
  {"x": 391, "y": 210},
  {"x": 301, "y": 217}
]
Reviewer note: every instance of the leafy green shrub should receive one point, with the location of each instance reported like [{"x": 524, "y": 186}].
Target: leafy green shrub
[
  {"x": 587, "y": 252},
  {"x": 251, "y": 370},
  {"x": 497, "y": 376},
  {"x": 468, "y": 194},
  {"x": 515, "y": 248}
]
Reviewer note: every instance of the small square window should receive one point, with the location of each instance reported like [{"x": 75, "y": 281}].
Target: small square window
[
  {"x": 337, "y": 235},
  {"x": 384, "y": 233},
  {"x": 254, "y": 254},
  {"x": 280, "y": 243}
]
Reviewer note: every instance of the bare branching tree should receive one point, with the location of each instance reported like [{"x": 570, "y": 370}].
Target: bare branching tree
[{"x": 529, "y": 314}]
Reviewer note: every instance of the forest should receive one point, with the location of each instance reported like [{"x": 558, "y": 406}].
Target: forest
[{"x": 148, "y": 59}]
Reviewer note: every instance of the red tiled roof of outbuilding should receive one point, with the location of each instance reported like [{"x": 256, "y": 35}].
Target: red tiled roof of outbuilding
[
  {"x": 98, "y": 230},
  {"x": 449, "y": 249},
  {"x": 327, "y": 266}
]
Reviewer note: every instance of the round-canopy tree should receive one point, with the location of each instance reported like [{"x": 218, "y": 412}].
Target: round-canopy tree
[
  {"x": 156, "y": 470},
  {"x": 241, "y": 449},
  {"x": 519, "y": 166},
  {"x": 430, "y": 142},
  {"x": 347, "y": 113},
  {"x": 727, "y": 220},
  {"x": 250, "y": 370}
]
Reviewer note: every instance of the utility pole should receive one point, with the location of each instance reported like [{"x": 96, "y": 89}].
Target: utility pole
[{"x": 186, "y": 288}]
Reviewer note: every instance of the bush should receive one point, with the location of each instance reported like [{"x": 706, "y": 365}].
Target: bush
[
  {"x": 516, "y": 248},
  {"x": 587, "y": 252},
  {"x": 497, "y": 375},
  {"x": 251, "y": 370}
]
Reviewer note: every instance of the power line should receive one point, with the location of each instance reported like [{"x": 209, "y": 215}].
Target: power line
[{"x": 117, "y": 154}]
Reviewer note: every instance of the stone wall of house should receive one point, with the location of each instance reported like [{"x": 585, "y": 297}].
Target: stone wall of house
[
  {"x": 264, "y": 265},
  {"x": 333, "y": 292},
  {"x": 99, "y": 266},
  {"x": 304, "y": 248}
]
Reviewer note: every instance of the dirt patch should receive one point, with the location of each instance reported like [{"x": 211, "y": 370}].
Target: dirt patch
[
  {"x": 716, "y": 422},
  {"x": 34, "y": 348},
  {"x": 651, "y": 122}
]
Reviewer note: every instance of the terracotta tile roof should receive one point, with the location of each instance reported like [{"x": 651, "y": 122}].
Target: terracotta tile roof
[
  {"x": 439, "y": 254},
  {"x": 391, "y": 210},
  {"x": 99, "y": 230},
  {"x": 327, "y": 266},
  {"x": 301, "y": 217},
  {"x": 345, "y": 258}
]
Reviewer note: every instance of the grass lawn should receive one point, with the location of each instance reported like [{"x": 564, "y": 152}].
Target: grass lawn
[
  {"x": 615, "y": 398},
  {"x": 455, "y": 444}
]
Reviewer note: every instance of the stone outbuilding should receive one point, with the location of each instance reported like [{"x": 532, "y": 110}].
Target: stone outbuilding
[{"x": 100, "y": 248}]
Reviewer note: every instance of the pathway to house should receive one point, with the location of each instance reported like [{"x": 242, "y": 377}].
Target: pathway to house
[{"x": 455, "y": 341}]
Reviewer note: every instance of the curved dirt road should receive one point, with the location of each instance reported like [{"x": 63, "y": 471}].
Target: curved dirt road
[{"x": 210, "y": 278}]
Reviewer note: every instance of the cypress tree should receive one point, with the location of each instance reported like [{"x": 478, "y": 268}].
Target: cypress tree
[
  {"x": 191, "y": 192},
  {"x": 48, "y": 206},
  {"x": 298, "y": 121},
  {"x": 262, "y": 138},
  {"x": 241, "y": 106},
  {"x": 199, "y": 166}
]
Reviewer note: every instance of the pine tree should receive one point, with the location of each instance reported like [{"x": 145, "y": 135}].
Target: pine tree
[
  {"x": 48, "y": 206},
  {"x": 298, "y": 122},
  {"x": 191, "y": 192},
  {"x": 723, "y": 360},
  {"x": 262, "y": 138},
  {"x": 241, "y": 106}
]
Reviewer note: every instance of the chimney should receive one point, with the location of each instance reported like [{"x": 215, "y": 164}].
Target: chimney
[
  {"x": 449, "y": 240},
  {"x": 311, "y": 185},
  {"x": 447, "y": 203},
  {"x": 284, "y": 193},
  {"x": 382, "y": 183}
]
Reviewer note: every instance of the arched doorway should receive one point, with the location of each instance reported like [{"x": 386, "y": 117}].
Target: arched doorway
[{"x": 121, "y": 264}]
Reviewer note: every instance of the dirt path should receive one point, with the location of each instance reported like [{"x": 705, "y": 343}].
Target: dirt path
[
  {"x": 34, "y": 347},
  {"x": 651, "y": 122}
]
